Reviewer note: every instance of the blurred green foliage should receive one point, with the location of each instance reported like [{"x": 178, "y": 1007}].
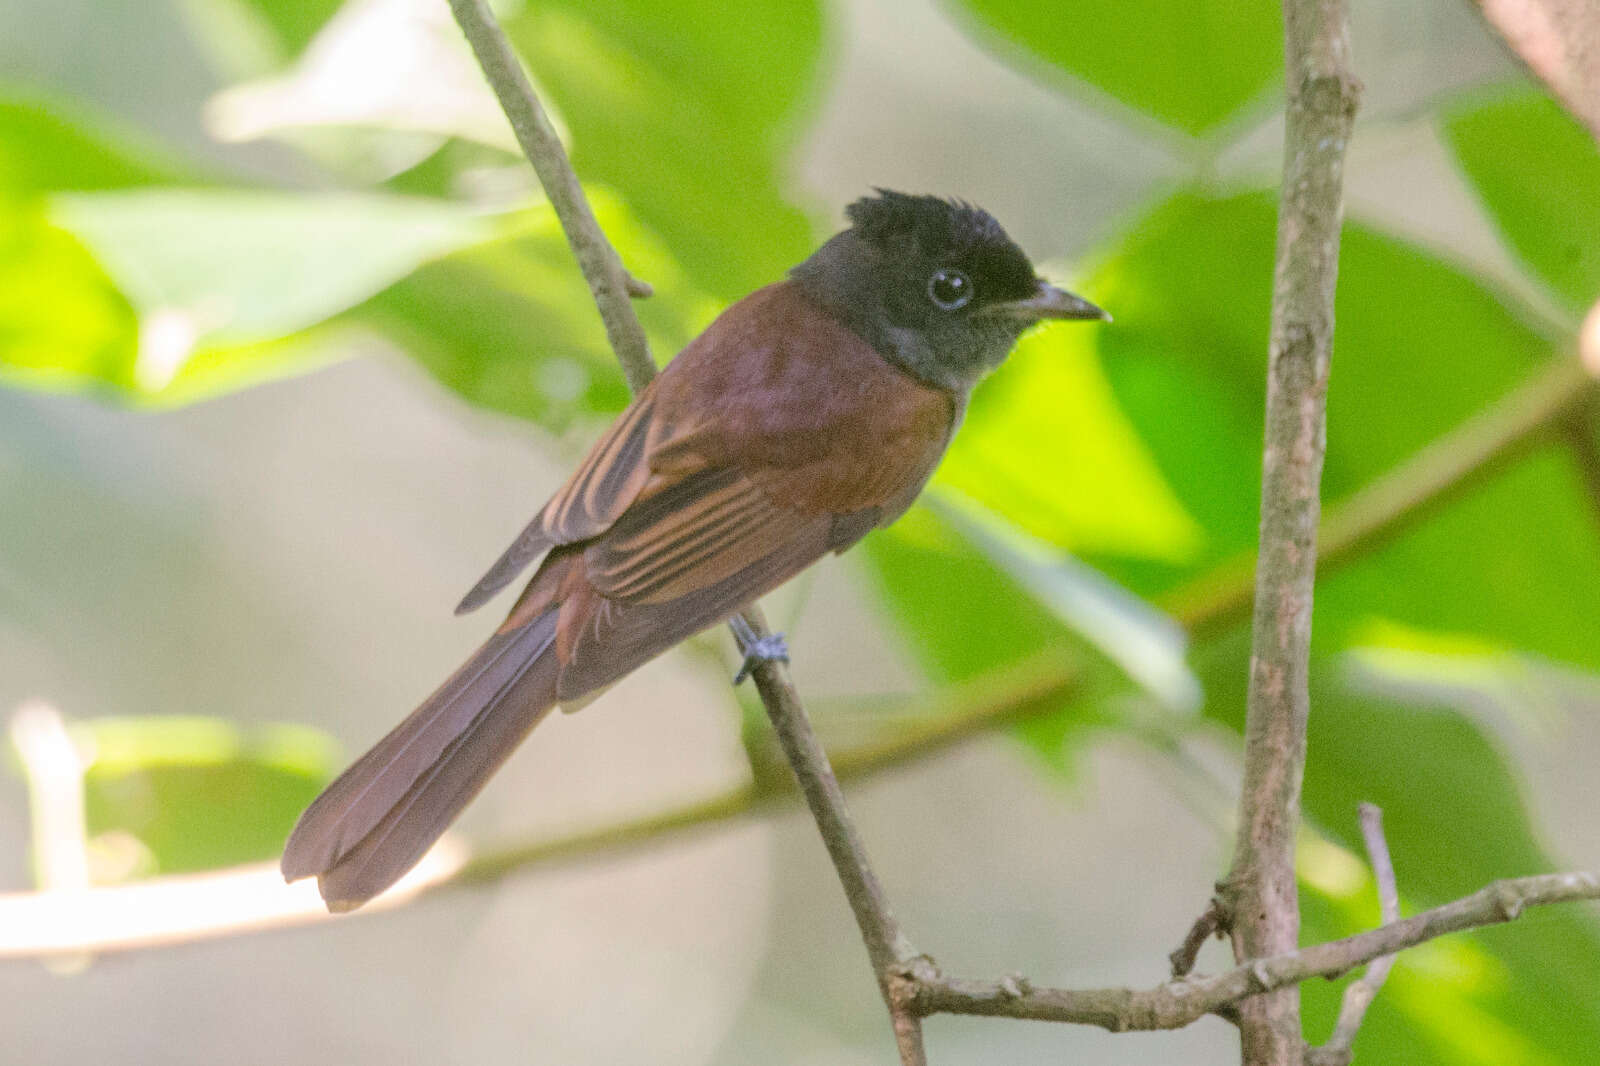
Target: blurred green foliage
[
  {"x": 1537, "y": 172},
  {"x": 687, "y": 110},
  {"x": 1192, "y": 66},
  {"x": 144, "y": 277},
  {"x": 198, "y": 793}
]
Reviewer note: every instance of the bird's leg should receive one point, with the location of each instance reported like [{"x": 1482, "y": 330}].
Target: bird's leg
[{"x": 756, "y": 650}]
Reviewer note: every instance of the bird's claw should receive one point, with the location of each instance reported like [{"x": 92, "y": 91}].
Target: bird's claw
[
  {"x": 768, "y": 649},
  {"x": 772, "y": 648}
]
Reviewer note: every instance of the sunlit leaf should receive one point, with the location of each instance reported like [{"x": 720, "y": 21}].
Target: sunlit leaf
[
  {"x": 45, "y": 147},
  {"x": 511, "y": 325},
  {"x": 1045, "y": 443},
  {"x": 293, "y": 23},
  {"x": 1192, "y": 66},
  {"x": 688, "y": 111},
  {"x": 250, "y": 265},
  {"x": 62, "y": 320},
  {"x": 1538, "y": 173},
  {"x": 191, "y": 793},
  {"x": 166, "y": 295},
  {"x": 1420, "y": 348},
  {"x": 1147, "y": 645}
]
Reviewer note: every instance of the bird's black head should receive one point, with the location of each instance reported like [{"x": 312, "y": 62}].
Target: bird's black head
[{"x": 934, "y": 285}]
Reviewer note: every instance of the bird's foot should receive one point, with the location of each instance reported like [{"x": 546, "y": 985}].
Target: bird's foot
[{"x": 772, "y": 648}]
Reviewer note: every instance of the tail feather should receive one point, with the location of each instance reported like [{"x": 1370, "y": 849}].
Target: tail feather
[{"x": 382, "y": 814}]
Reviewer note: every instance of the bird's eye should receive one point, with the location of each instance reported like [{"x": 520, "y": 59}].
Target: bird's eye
[{"x": 949, "y": 289}]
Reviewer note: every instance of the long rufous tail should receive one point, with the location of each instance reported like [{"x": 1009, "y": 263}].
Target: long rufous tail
[{"x": 381, "y": 815}]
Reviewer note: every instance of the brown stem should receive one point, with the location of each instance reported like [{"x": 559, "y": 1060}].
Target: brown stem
[
  {"x": 1213, "y": 921},
  {"x": 1260, "y": 890},
  {"x": 887, "y": 946},
  {"x": 1178, "y": 1003}
]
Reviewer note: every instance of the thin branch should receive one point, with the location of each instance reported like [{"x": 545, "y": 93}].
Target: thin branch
[
  {"x": 887, "y": 946},
  {"x": 602, "y": 267},
  {"x": 1260, "y": 890},
  {"x": 1178, "y": 1003},
  {"x": 1213, "y": 921},
  {"x": 612, "y": 286},
  {"x": 1359, "y": 996}
]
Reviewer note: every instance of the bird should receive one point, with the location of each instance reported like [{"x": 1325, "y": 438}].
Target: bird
[{"x": 808, "y": 413}]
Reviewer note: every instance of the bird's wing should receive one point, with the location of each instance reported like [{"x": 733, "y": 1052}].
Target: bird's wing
[
  {"x": 691, "y": 551},
  {"x": 598, "y": 492}
]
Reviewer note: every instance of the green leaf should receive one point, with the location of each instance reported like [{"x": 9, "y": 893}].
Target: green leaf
[
  {"x": 198, "y": 793},
  {"x": 511, "y": 325},
  {"x": 687, "y": 111},
  {"x": 974, "y": 618},
  {"x": 1455, "y": 820},
  {"x": 168, "y": 295},
  {"x": 1499, "y": 565},
  {"x": 1538, "y": 174},
  {"x": 991, "y": 623},
  {"x": 1146, "y": 644},
  {"x": 246, "y": 265},
  {"x": 1421, "y": 347},
  {"x": 1443, "y": 1004},
  {"x": 292, "y": 23},
  {"x": 44, "y": 147},
  {"x": 62, "y": 321},
  {"x": 1045, "y": 443},
  {"x": 1192, "y": 66}
]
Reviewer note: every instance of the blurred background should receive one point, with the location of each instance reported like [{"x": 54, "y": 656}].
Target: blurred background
[{"x": 290, "y": 348}]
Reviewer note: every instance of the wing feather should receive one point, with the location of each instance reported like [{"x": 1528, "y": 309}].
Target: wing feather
[
  {"x": 687, "y": 536},
  {"x": 613, "y": 636},
  {"x": 598, "y": 492}
]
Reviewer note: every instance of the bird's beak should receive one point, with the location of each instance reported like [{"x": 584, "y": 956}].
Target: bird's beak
[{"x": 1048, "y": 301}]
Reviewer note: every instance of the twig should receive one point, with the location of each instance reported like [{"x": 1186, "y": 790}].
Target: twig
[
  {"x": 1178, "y": 1003},
  {"x": 1213, "y": 921},
  {"x": 612, "y": 286},
  {"x": 602, "y": 268},
  {"x": 1359, "y": 996},
  {"x": 887, "y": 946},
  {"x": 1260, "y": 891}
]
